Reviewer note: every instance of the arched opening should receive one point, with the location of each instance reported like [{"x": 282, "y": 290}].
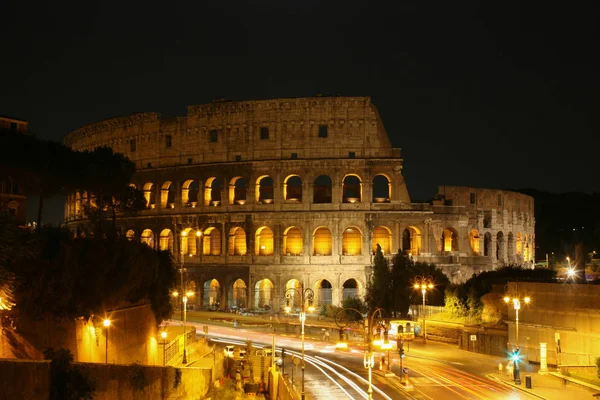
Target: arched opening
[
  {"x": 474, "y": 241},
  {"x": 263, "y": 294},
  {"x": 350, "y": 289},
  {"x": 450, "y": 240},
  {"x": 487, "y": 244},
  {"x": 263, "y": 242},
  {"x": 526, "y": 252},
  {"x": 292, "y": 189},
  {"x": 382, "y": 189},
  {"x": 322, "y": 242},
  {"x": 323, "y": 293},
  {"x": 264, "y": 190},
  {"x": 211, "y": 242},
  {"x": 293, "y": 297},
  {"x": 237, "y": 190},
  {"x": 322, "y": 189},
  {"x": 212, "y": 295},
  {"x": 382, "y": 236},
  {"x": 150, "y": 195},
  {"x": 167, "y": 195},
  {"x": 237, "y": 242},
  {"x": 351, "y": 189},
  {"x": 185, "y": 240},
  {"x": 351, "y": 242},
  {"x": 237, "y": 295},
  {"x": 519, "y": 244},
  {"x": 500, "y": 246},
  {"x": 411, "y": 241},
  {"x": 77, "y": 203},
  {"x": 212, "y": 192},
  {"x": 189, "y": 193},
  {"x": 510, "y": 246},
  {"x": 292, "y": 241},
  {"x": 166, "y": 240},
  {"x": 148, "y": 238},
  {"x": 130, "y": 235}
]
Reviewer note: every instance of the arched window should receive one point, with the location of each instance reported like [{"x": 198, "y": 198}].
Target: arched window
[
  {"x": 263, "y": 294},
  {"x": 350, "y": 289},
  {"x": 382, "y": 189},
  {"x": 292, "y": 189},
  {"x": 211, "y": 242},
  {"x": 322, "y": 242},
  {"x": 510, "y": 246},
  {"x": 264, "y": 190},
  {"x": 238, "y": 293},
  {"x": 189, "y": 193},
  {"x": 293, "y": 299},
  {"x": 150, "y": 195},
  {"x": 237, "y": 190},
  {"x": 148, "y": 238},
  {"x": 212, "y": 294},
  {"x": 351, "y": 189},
  {"x": 167, "y": 195},
  {"x": 130, "y": 235},
  {"x": 474, "y": 241},
  {"x": 212, "y": 192},
  {"x": 351, "y": 242},
  {"x": 487, "y": 244},
  {"x": 382, "y": 236},
  {"x": 322, "y": 189},
  {"x": 519, "y": 244},
  {"x": 237, "y": 242},
  {"x": 450, "y": 240},
  {"x": 166, "y": 240},
  {"x": 323, "y": 293},
  {"x": 292, "y": 241},
  {"x": 411, "y": 241},
  {"x": 500, "y": 246},
  {"x": 263, "y": 242}
]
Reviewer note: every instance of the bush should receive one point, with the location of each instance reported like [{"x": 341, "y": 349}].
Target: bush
[
  {"x": 598, "y": 366},
  {"x": 492, "y": 307}
]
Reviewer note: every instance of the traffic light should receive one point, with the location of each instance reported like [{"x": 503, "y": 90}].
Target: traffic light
[{"x": 401, "y": 351}]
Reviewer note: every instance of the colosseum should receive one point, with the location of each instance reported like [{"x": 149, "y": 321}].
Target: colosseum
[{"x": 255, "y": 197}]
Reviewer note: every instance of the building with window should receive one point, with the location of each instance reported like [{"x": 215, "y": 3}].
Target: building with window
[
  {"x": 12, "y": 201},
  {"x": 255, "y": 197}
]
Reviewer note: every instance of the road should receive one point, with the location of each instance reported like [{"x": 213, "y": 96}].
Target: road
[{"x": 436, "y": 371}]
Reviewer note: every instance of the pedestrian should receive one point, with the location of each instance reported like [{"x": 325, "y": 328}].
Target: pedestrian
[
  {"x": 326, "y": 334},
  {"x": 238, "y": 380},
  {"x": 500, "y": 368}
]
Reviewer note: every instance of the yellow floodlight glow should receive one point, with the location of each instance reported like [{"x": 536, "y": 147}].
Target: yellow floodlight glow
[
  {"x": 341, "y": 345},
  {"x": 506, "y": 299},
  {"x": 189, "y": 293},
  {"x": 430, "y": 286},
  {"x": 377, "y": 342},
  {"x": 175, "y": 293},
  {"x": 386, "y": 346},
  {"x": 527, "y": 300},
  {"x": 311, "y": 308},
  {"x": 288, "y": 309},
  {"x": 417, "y": 286},
  {"x": 163, "y": 334},
  {"x": 198, "y": 233},
  {"x": 107, "y": 323},
  {"x": 184, "y": 233}
]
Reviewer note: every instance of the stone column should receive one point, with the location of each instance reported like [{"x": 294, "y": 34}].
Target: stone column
[{"x": 543, "y": 359}]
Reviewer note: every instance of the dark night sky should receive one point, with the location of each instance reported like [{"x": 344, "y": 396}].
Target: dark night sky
[{"x": 499, "y": 94}]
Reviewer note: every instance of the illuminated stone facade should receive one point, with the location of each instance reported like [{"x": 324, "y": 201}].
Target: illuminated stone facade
[{"x": 260, "y": 196}]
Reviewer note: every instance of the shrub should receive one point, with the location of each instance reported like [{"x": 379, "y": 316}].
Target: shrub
[{"x": 598, "y": 366}]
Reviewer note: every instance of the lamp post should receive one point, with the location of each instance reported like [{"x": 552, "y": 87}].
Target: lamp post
[
  {"x": 163, "y": 334},
  {"x": 516, "y": 302},
  {"x": 106, "y": 326},
  {"x": 374, "y": 318},
  {"x": 184, "y": 293},
  {"x": 184, "y": 300},
  {"x": 423, "y": 283},
  {"x": 306, "y": 296}
]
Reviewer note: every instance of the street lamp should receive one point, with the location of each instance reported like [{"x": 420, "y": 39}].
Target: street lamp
[
  {"x": 163, "y": 334},
  {"x": 374, "y": 318},
  {"x": 516, "y": 302},
  {"x": 424, "y": 283},
  {"x": 306, "y": 296},
  {"x": 184, "y": 300},
  {"x": 106, "y": 326}
]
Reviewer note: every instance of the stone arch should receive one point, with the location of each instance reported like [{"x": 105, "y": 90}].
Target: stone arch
[
  {"x": 238, "y": 189},
  {"x": 238, "y": 294},
  {"x": 352, "y": 241},
  {"x": 411, "y": 241},
  {"x": 263, "y": 294},
  {"x": 487, "y": 244},
  {"x": 77, "y": 202},
  {"x": 185, "y": 241},
  {"x": 149, "y": 194},
  {"x": 264, "y": 189},
  {"x": 293, "y": 297},
  {"x": 212, "y": 294},
  {"x": 382, "y": 188},
  {"x": 263, "y": 242},
  {"x": 130, "y": 235},
  {"x": 500, "y": 246},
  {"x": 211, "y": 242},
  {"x": 322, "y": 242},
  {"x": 212, "y": 191},
  {"x": 519, "y": 244},
  {"x": 323, "y": 293},
  {"x": 449, "y": 240},
  {"x": 351, "y": 288},
  {"x": 148, "y": 238},
  {"x": 474, "y": 241},
  {"x": 237, "y": 242},
  {"x": 292, "y": 188},
  {"x": 166, "y": 240},
  {"x": 167, "y": 195},
  {"x": 382, "y": 235},
  {"x": 351, "y": 189},
  {"x": 510, "y": 247},
  {"x": 322, "y": 189},
  {"x": 293, "y": 243},
  {"x": 526, "y": 251},
  {"x": 189, "y": 193}
]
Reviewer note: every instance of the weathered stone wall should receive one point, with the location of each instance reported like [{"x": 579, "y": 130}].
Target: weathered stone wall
[{"x": 24, "y": 379}]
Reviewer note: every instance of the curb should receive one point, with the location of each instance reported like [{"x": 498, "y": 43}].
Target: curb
[
  {"x": 574, "y": 381},
  {"x": 492, "y": 377}
]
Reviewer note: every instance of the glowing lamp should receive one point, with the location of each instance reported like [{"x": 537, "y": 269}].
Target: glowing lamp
[
  {"x": 198, "y": 233},
  {"x": 107, "y": 323},
  {"x": 175, "y": 294},
  {"x": 163, "y": 334},
  {"x": 527, "y": 300},
  {"x": 341, "y": 345},
  {"x": 184, "y": 233},
  {"x": 189, "y": 294},
  {"x": 311, "y": 308},
  {"x": 377, "y": 342},
  {"x": 506, "y": 299},
  {"x": 288, "y": 309},
  {"x": 417, "y": 286}
]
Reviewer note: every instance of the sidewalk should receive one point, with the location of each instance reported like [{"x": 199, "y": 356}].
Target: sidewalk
[{"x": 550, "y": 386}]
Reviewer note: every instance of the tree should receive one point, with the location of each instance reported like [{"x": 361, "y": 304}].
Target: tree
[{"x": 380, "y": 288}]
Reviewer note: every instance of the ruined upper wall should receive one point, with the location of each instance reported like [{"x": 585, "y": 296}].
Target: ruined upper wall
[
  {"x": 245, "y": 131},
  {"x": 486, "y": 199}
]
